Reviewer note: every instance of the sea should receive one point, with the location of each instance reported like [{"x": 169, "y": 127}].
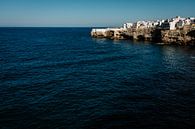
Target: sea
[{"x": 62, "y": 78}]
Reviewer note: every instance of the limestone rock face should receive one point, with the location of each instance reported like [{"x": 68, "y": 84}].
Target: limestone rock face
[
  {"x": 178, "y": 37},
  {"x": 99, "y": 33},
  {"x": 113, "y": 33}
]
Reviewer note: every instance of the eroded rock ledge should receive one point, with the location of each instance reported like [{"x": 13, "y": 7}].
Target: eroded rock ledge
[{"x": 179, "y": 36}]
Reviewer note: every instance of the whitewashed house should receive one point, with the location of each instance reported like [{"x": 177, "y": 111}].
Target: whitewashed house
[
  {"x": 128, "y": 25},
  {"x": 171, "y": 24},
  {"x": 140, "y": 25},
  {"x": 166, "y": 25},
  {"x": 187, "y": 21},
  {"x": 136, "y": 25},
  {"x": 180, "y": 24},
  {"x": 152, "y": 24},
  {"x": 193, "y": 21}
]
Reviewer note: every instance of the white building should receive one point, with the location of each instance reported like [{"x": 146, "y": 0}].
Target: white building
[
  {"x": 187, "y": 22},
  {"x": 193, "y": 21},
  {"x": 127, "y": 25},
  {"x": 180, "y": 24},
  {"x": 169, "y": 25},
  {"x": 173, "y": 23},
  {"x": 139, "y": 25}
]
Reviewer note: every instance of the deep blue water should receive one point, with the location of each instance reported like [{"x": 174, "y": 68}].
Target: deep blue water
[{"x": 63, "y": 78}]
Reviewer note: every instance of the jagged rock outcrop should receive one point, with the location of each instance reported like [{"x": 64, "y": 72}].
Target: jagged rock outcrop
[
  {"x": 179, "y": 36},
  {"x": 113, "y": 33},
  {"x": 141, "y": 34}
]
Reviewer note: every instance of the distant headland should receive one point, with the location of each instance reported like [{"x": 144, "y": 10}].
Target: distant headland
[{"x": 179, "y": 31}]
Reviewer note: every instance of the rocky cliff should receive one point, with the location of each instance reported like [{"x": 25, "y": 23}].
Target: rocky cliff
[
  {"x": 185, "y": 36},
  {"x": 180, "y": 37}
]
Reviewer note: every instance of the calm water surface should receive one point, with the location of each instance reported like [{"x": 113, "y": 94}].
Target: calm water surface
[{"x": 62, "y": 78}]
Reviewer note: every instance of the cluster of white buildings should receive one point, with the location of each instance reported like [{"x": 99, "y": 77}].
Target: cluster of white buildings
[
  {"x": 169, "y": 24},
  {"x": 141, "y": 24}
]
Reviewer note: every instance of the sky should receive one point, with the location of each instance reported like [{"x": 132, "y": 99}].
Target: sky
[{"x": 89, "y": 13}]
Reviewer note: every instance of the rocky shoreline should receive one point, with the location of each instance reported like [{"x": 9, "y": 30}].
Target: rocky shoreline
[{"x": 178, "y": 36}]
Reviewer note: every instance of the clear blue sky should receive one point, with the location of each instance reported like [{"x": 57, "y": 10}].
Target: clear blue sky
[{"x": 79, "y": 13}]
